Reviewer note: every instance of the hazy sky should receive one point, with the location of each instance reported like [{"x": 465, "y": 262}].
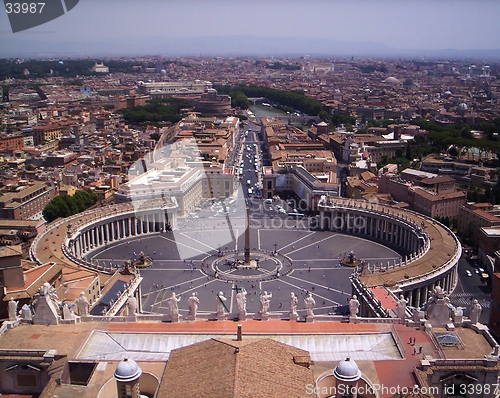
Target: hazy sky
[{"x": 405, "y": 24}]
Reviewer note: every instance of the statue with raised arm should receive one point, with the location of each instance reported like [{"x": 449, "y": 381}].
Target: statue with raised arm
[
  {"x": 354, "y": 305},
  {"x": 401, "y": 307},
  {"x": 82, "y": 305},
  {"x": 220, "y": 303},
  {"x": 475, "y": 311},
  {"x": 173, "y": 305},
  {"x": 131, "y": 305},
  {"x": 241, "y": 301},
  {"x": 265, "y": 303},
  {"x": 309, "y": 303},
  {"x": 193, "y": 302},
  {"x": 293, "y": 305},
  {"x": 13, "y": 309}
]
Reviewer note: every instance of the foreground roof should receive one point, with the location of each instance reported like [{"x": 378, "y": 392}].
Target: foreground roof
[{"x": 228, "y": 368}]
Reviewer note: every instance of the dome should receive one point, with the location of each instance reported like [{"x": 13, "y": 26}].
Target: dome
[
  {"x": 448, "y": 92},
  {"x": 127, "y": 370},
  {"x": 322, "y": 124},
  {"x": 347, "y": 370},
  {"x": 163, "y": 72},
  {"x": 462, "y": 107},
  {"x": 391, "y": 80}
]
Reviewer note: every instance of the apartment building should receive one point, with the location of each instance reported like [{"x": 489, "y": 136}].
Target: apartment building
[
  {"x": 27, "y": 201},
  {"x": 472, "y": 217},
  {"x": 437, "y": 198}
]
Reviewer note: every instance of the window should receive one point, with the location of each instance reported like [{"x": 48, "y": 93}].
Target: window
[{"x": 26, "y": 380}]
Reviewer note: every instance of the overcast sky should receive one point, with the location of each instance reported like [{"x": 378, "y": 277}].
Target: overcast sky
[{"x": 404, "y": 24}]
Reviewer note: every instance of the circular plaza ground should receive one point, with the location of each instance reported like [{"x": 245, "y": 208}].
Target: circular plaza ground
[{"x": 182, "y": 263}]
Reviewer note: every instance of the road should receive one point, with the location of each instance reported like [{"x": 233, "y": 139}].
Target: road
[{"x": 471, "y": 287}]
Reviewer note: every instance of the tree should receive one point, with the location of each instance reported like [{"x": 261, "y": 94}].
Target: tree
[
  {"x": 453, "y": 151},
  {"x": 408, "y": 82},
  {"x": 239, "y": 100},
  {"x": 65, "y": 205}
]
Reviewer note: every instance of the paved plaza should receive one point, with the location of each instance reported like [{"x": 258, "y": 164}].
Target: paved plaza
[{"x": 178, "y": 257}]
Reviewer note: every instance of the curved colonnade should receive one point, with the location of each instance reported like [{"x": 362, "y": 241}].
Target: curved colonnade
[
  {"x": 67, "y": 241},
  {"x": 430, "y": 250}
]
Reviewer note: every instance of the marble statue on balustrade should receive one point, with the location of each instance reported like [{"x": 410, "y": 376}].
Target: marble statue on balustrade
[
  {"x": 193, "y": 303},
  {"x": 437, "y": 309},
  {"x": 401, "y": 307},
  {"x": 354, "y": 306},
  {"x": 219, "y": 305},
  {"x": 67, "y": 313},
  {"x": 12, "y": 307},
  {"x": 82, "y": 305},
  {"x": 265, "y": 303},
  {"x": 131, "y": 306},
  {"x": 173, "y": 306},
  {"x": 293, "y": 306},
  {"x": 475, "y": 311},
  {"x": 47, "y": 306},
  {"x": 241, "y": 301},
  {"x": 309, "y": 303},
  {"x": 26, "y": 313}
]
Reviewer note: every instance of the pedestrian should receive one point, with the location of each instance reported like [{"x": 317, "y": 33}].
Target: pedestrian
[
  {"x": 414, "y": 351},
  {"x": 420, "y": 350}
]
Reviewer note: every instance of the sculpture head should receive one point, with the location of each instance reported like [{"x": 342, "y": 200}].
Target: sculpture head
[{"x": 354, "y": 297}]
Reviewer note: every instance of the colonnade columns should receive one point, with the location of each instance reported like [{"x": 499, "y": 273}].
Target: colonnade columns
[
  {"x": 410, "y": 297},
  {"x": 417, "y": 298},
  {"x": 425, "y": 293}
]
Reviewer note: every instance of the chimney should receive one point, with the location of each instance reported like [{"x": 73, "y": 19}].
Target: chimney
[{"x": 239, "y": 335}]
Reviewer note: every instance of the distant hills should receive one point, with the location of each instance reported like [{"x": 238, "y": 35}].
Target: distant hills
[{"x": 245, "y": 45}]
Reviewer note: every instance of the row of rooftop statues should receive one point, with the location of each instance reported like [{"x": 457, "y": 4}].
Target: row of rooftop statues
[
  {"x": 437, "y": 311},
  {"x": 241, "y": 302}
]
